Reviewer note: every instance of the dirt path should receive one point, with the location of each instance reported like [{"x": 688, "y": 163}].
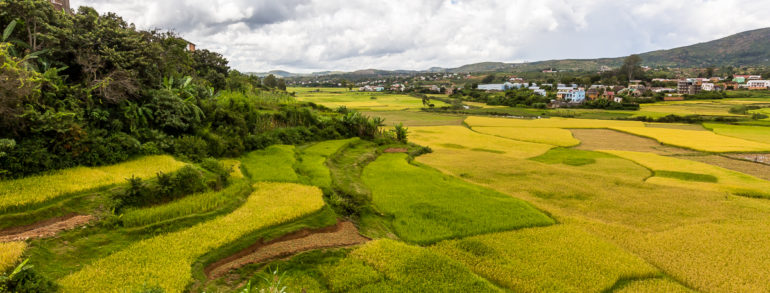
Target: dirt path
[
  {"x": 343, "y": 234},
  {"x": 44, "y": 229}
]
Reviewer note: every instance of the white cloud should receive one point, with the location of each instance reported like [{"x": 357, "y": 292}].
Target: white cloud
[{"x": 310, "y": 35}]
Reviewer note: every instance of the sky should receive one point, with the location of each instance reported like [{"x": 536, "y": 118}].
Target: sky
[{"x": 327, "y": 35}]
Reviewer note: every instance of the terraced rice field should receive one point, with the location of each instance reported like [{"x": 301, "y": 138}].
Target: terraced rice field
[
  {"x": 428, "y": 206},
  {"x": 166, "y": 260},
  {"x": 37, "y": 189},
  {"x": 552, "y": 136}
]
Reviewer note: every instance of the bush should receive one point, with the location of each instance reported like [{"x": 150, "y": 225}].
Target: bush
[
  {"x": 189, "y": 180},
  {"x": 191, "y": 147}
]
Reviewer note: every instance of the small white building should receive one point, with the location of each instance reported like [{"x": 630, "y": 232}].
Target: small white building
[{"x": 707, "y": 86}]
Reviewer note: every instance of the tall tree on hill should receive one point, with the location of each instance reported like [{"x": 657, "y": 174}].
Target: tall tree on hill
[
  {"x": 631, "y": 66},
  {"x": 488, "y": 78}
]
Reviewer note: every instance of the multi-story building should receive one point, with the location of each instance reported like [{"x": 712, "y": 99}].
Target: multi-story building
[
  {"x": 758, "y": 84},
  {"x": 689, "y": 86}
]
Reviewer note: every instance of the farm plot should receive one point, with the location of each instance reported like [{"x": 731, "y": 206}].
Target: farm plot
[
  {"x": 653, "y": 285},
  {"x": 755, "y": 169},
  {"x": 443, "y": 138},
  {"x": 365, "y": 101},
  {"x": 428, "y": 206},
  {"x": 551, "y": 136},
  {"x": 705, "y": 141},
  {"x": 166, "y": 260},
  {"x": 607, "y": 139},
  {"x": 189, "y": 205},
  {"x": 559, "y": 258},
  {"x": 390, "y": 266},
  {"x": 312, "y": 161},
  {"x": 274, "y": 163},
  {"x": 10, "y": 252},
  {"x": 414, "y": 118},
  {"x": 37, "y": 189},
  {"x": 691, "y": 174},
  {"x": 555, "y": 122},
  {"x": 754, "y": 133}
]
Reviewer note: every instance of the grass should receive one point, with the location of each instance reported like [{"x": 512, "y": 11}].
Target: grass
[
  {"x": 570, "y": 157},
  {"x": 551, "y": 136},
  {"x": 687, "y": 176},
  {"x": 18, "y": 193},
  {"x": 312, "y": 161},
  {"x": 457, "y": 137},
  {"x": 390, "y": 266},
  {"x": 10, "y": 254},
  {"x": 705, "y": 141},
  {"x": 189, "y": 205},
  {"x": 680, "y": 171},
  {"x": 166, "y": 260},
  {"x": 428, "y": 206},
  {"x": 753, "y": 133},
  {"x": 559, "y": 258},
  {"x": 274, "y": 163}
]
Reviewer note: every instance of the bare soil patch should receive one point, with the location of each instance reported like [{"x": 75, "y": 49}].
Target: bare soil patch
[
  {"x": 396, "y": 150},
  {"x": 605, "y": 139},
  {"x": 754, "y": 169},
  {"x": 341, "y": 235},
  {"x": 756, "y": 158},
  {"x": 44, "y": 229}
]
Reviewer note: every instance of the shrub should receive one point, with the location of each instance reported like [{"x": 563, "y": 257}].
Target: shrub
[
  {"x": 189, "y": 180},
  {"x": 191, "y": 147}
]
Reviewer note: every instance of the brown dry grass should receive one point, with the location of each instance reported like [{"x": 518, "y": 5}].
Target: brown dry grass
[
  {"x": 48, "y": 229},
  {"x": 605, "y": 139}
]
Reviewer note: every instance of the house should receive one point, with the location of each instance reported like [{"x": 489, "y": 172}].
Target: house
[
  {"x": 609, "y": 95},
  {"x": 739, "y": 79},
  {"x": 573, "y": 96},
  {"x": 592, "y": 93},
  {"x": 190, "y": 47},
  {"x": 707, "y": 86},
  {"x": 617, "y": 100},
  {"x": 758, "y": 84},
  {"x": 370, "y": 88},
  {"x": 689, "y": 86},
  {"x": 540, "y": 92}
]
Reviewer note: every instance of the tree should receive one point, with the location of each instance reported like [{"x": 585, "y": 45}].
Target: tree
[
  {"x": 211, "y": 66},
  {"x": 281, "y": 84},
  {"x": 710, "y": 72},
  {"x": 631, "y": 66},
  {"x": 488, "y": 78},
  {"x": 270, "y": 81}
]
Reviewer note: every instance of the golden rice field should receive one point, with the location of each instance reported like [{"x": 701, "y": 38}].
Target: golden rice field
[
  {"x": 728, "y": 180},
  {"x": 706, "y": 141},
  {"x": 552, "y": 136},
  {"x": 166, "y": 260},
  {"x": 700, "y": 238},
  {"x": 443, "y": 138},
  {"x": 559, "y": 258},
  {"x": 234, "y": 166},
  {"x": 10, "y": 254},
  {"x": 36, "y": 189}
]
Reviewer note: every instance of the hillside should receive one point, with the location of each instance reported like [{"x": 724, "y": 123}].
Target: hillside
[{"x": 750, "y": 48}]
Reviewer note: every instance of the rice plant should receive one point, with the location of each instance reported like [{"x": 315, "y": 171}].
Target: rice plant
[{"x": 10, "y": 252}]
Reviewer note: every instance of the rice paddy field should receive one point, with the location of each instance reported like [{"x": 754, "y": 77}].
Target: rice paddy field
[
  {"x": 364, "y": 101},
  {"x": 491, "y": 205}
]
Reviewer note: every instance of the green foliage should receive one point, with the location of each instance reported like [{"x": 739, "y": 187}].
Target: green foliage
[
  {"x": 24, "y": 279},
  {"x": 687, "y": 176},
  {"x": 187, "y": 180},
  {"x": 428, "y": 206}
]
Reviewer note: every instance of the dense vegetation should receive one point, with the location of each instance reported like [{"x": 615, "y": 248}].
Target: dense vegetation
[{"x": 90, "y": 89}]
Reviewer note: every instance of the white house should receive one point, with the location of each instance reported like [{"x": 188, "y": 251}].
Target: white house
[
  {"x": 758, "y": 84},
  {"x": 492, "y": 87},
  {"x": 540, "y": 92},
  {"x": 707, "y": 86}
]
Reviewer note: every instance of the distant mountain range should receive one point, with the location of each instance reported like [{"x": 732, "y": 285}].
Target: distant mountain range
[{"x": 750, "y": 48}]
